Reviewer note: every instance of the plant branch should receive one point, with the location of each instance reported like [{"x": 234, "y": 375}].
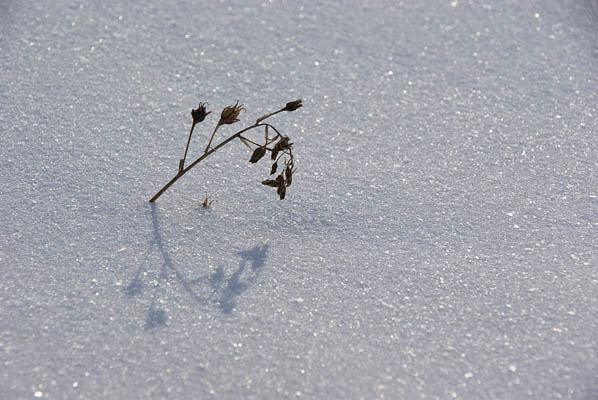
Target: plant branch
[
  {"x": 229, "y": 116},
  {"x": 201, "y": 158}
]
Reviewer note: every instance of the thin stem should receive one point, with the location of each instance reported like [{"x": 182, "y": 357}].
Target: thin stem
[
  {"x": 260, "y": 119},
  {"x": 280, "y": 156},
  {"x": 271, "y": 126},
  {"x": 212, "y": 137},
  {"x": 201, "y": 158},
  {"x": 182, "y": 164}
]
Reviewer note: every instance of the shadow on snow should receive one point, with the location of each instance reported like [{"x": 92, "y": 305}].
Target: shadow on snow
[{"x": 215, "y": 289}]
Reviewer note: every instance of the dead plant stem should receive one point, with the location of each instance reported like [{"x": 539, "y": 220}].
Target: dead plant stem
[
  {"x": 182, "y": 165},
  {"x": 204, "y": 156}
]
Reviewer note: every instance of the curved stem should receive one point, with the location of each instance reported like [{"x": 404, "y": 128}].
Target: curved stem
[
  {"x": 201, "y": 158},
  {"x": 280, "y": 156}
]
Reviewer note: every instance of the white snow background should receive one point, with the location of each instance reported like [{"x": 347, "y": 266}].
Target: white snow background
[{"x": 439, "y": 239}]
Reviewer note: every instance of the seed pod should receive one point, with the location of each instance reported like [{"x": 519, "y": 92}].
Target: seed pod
[
  {"x": 274, "y": 167},
  {"x": 200, "y": 114},
  {"x": 282, "y": 189},
  {"x": 289, "y": 175},
  {"x": 257, "y": 154},
  {"x": 293, "y": 105},
  {"x": 270, "y": 182},
  {"x": 275, "y": 152},
  {"x": 229, "y": 114}
]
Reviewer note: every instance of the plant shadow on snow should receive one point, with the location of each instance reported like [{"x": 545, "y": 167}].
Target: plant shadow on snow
[{"x": 214, "y": 289}]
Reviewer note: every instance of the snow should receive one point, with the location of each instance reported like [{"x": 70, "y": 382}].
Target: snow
[{"x": 438, "y": 241}]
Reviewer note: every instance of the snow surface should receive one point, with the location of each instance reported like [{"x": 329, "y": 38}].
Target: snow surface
[{"x": 439, "y": 240}]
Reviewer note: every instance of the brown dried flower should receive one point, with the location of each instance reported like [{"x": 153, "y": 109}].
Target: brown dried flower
[
  {"x": 279, "y": 145},
  {"x": 200, "y": 114},
  {"x": 229, "y": 114},
  {"x": 279, "y": 183},
  {"x": 293, "y": 105},
  {"x": 282, "y": 144}
]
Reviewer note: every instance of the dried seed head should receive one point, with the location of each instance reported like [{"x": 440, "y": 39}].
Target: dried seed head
[
  {"x": 229, "y": 114},
  {"x": 283, "y": 143},
  {"x": 293, "y": 105},
  {"x": 279, "y": 183},
  {"x": 257, "y": 154},
  {"x": 200, "y": 114},
  {"x": 274, "y": 168}
]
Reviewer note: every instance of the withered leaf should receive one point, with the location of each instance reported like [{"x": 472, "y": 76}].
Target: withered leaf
[{"x": 274, "y": 168}]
